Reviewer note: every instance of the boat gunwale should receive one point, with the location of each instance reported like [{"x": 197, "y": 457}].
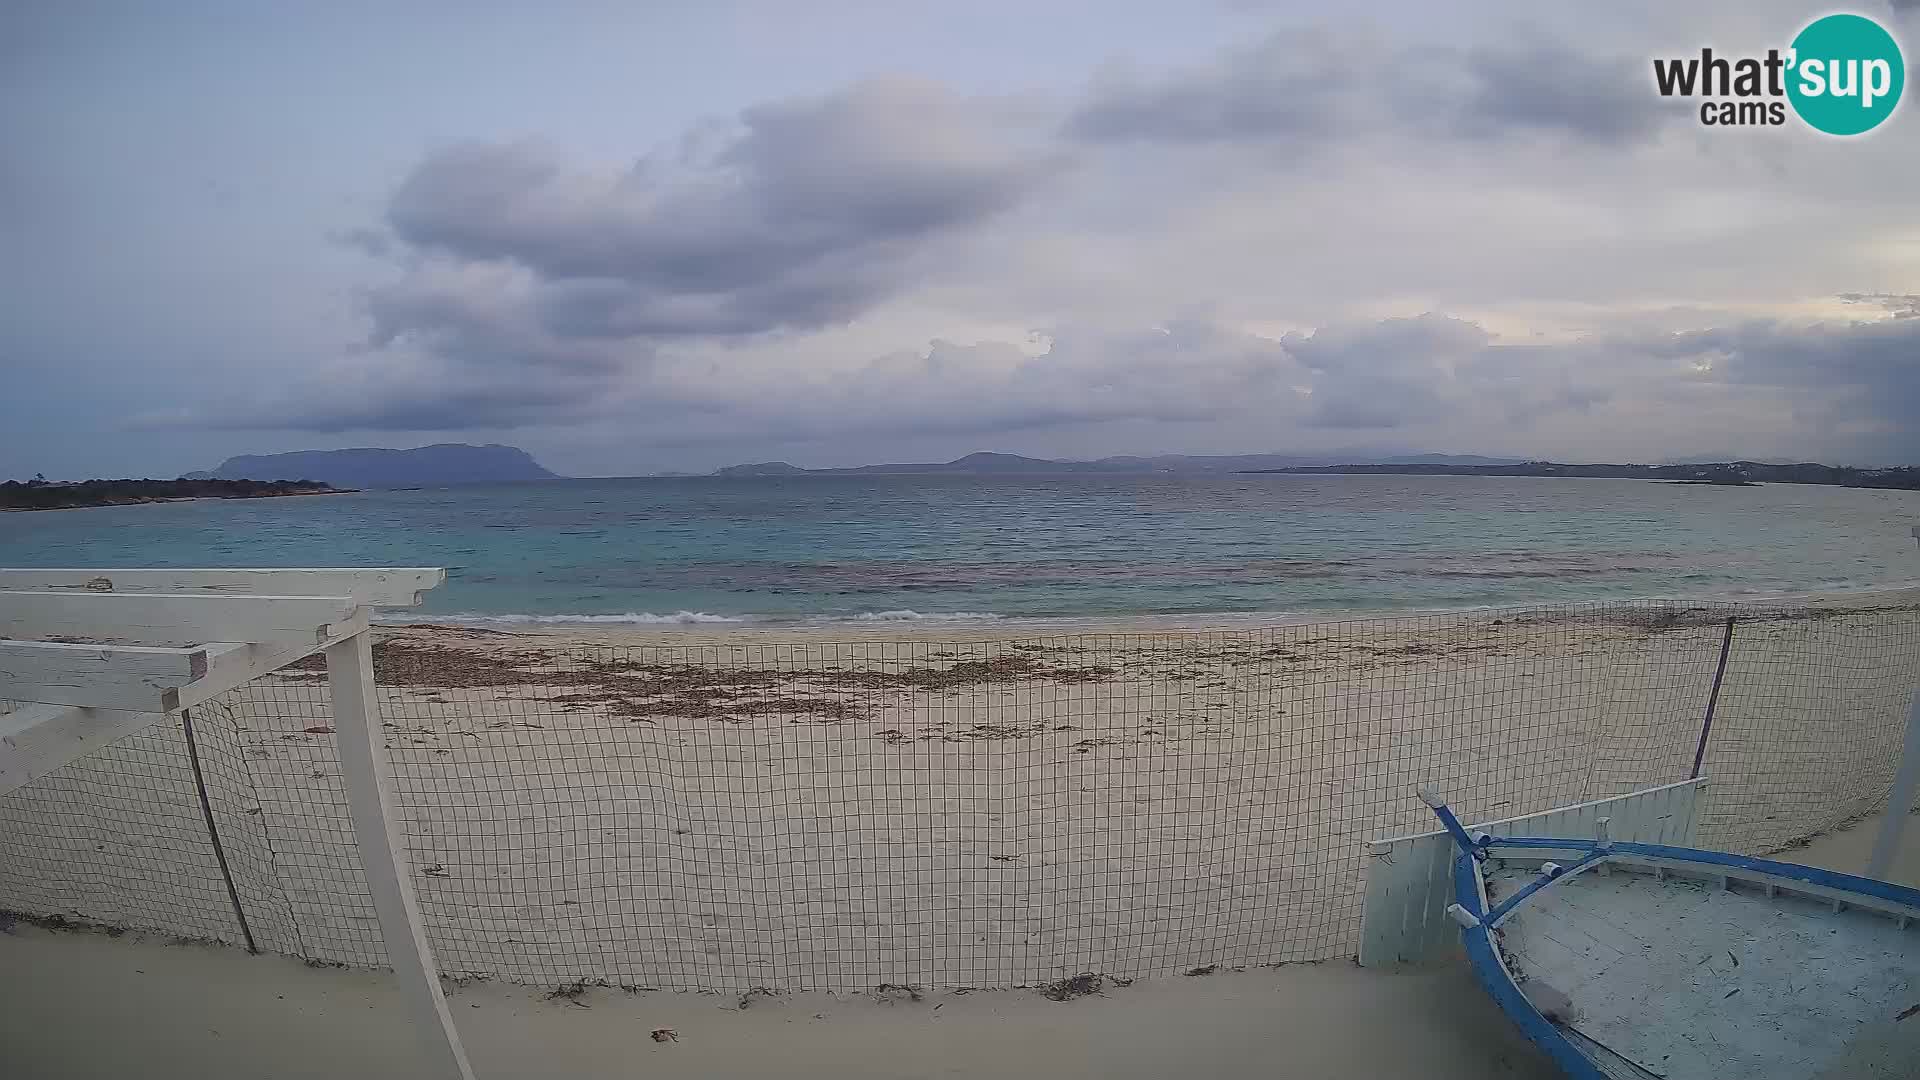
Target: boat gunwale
[{"x": 1490, "y": 968}]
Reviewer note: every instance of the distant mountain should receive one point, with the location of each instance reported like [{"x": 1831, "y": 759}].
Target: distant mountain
[
  {"x": 1448, "y": 459},
  {"x": 1704, "y": 459},
  {"x": 423, "y": 466},
  {"x": 1247, "y": 462},
  {"x": 984, "y": 462},
  {"x": 1716, "y": 473},
  {"x": 764, "y": 468},
  {"x": 971, "y": 464}
]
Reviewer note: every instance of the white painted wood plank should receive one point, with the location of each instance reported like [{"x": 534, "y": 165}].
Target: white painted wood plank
[
  {"x": 1900, "y": 798},
  {"x": 37, "y": 739},
  {"x": 1398, "y": 885},
  {"x": 1612, "y": 801},
  {"x": 134, "y": 677},
  {"x": 231, "y": 664},
  {"x": 1906, "y": 788},
  {"x": 161, "y": 619},
  {"x": 384, "y": 587},
  {"x": 1404, "y": 919},
  {"x": 363, "y": 768},
  {"x": 141, "y": 678},
  {"x": 1436, "y": 935}
]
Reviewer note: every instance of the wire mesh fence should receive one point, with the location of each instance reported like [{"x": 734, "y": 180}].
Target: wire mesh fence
[{"x": 838, "y": 815}]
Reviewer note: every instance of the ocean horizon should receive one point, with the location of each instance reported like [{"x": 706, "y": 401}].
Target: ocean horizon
[{"x": 962, "y": 550}]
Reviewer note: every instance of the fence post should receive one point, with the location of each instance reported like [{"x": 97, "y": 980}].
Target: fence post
[
  {"x": 1713, "y": 700},
  {"x": 1906, "y": 785},
  {"x": 213, "y": 832},
  {"x": 363, "y": 766}
]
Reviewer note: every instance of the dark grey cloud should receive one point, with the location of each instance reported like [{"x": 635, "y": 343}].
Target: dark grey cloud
[
  {"x": 1181, "y": 373},
  {"x": 1296, "y": 84},
  {"x": 803, "y": 215},
  {"x": 1856, "y": 385},
  {"x": 1550, "y": 87},
  {"x": 374, "y": 390},
  {"x": 1863, "y": 377},
  {"x": 375, "y": 242},
  {"x": 530, "y": 289},
  {"x": 1305, "y": 86},
  {"x": 459, "y": 406},
  {"x": 1372, "y": 402},
  {"x": 1386, "y": 374}
]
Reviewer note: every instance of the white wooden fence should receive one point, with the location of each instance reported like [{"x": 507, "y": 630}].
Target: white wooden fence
[
  {"x": 90, "y": 656},
  {"x": 1507, "y": 711},
  {"x": 1410, "y": 878}
]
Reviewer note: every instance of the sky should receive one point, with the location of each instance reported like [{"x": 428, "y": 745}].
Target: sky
[{"x": 646, "y": 237}]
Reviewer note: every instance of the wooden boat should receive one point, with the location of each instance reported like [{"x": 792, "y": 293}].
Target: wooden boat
[{"x": 1629, "y": 961}]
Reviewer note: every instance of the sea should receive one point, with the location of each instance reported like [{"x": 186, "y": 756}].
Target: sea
[{"x": 1165, "y": 548}]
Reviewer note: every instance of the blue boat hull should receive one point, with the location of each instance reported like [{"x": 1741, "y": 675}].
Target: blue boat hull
[{"x": 1891, "y": 914}]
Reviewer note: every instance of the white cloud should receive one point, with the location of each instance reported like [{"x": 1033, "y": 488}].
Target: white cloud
[{"x": 1325, "y": 235}]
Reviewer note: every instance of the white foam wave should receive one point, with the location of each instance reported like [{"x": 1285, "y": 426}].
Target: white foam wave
[
  {"x": 697, "y": 618},
  {"x": 1127, "y": 623},
  {"x": 910, "y": 615},
  {"x": 631, "y": 618}
]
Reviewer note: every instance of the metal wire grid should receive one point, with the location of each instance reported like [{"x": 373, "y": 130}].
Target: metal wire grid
[
  {"x": 1809, "y": 727},
  {"x": 117, "y": 837},
  {"x": 980, "y": 813},
  {"x": 252, "y": 823},
  {"x": 282, "y": 732}
]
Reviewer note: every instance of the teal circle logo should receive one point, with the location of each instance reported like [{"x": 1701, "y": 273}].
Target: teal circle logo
[{"x": 1845, "y": 74}]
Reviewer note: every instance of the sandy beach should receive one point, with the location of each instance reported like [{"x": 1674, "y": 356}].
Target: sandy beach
[
  {"x": 166, "y": 1011},
  {"x": 86, "y": 1005},
  {"x": 834, "y": 812}
]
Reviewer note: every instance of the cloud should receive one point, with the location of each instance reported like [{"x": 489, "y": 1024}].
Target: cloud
[
  {"x": 530, "y": 289},
  {"x": 1550, "y": 87},
  {"x": 374, "y": 242},
  {"x": 1899, "y": 305},
  {"x": 1431, "y": 380},
  {"x": 1177, "y": 373},
  {"x": 804, "y": 214},
  {"x": 1315, "y": 85},
  {"x": 387, "y": 391},
  {"x": 807, "y": 214},
  {"x": 1188, "y": 372},
  {"x": 1417, "y": 375},
  {"x": 1295, "y": 84},
  {"x": 1210, "y": 249},
  {"x": 1856, "y": 378},
  {"x": 1384, "y": 374}
]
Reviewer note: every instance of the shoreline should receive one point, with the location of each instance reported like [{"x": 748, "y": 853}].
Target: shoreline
[
  {"x": 704, "y": 629},
  {"x": 174, "y": 499}
]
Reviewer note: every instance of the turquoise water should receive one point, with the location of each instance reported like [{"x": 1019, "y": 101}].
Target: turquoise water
[{"x": 966, "y": 548}]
